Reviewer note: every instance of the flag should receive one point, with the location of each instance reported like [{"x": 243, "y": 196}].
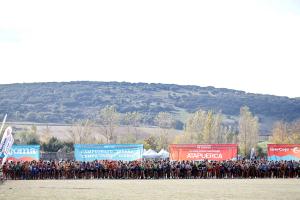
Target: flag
[
  {"x": 252, "y": 154},
  {"x": 2, "y": 125},
  {"x": 6, "y": 143}
]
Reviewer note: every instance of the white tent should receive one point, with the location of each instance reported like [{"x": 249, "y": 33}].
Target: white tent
[
  {"x": 144, "y": 151},
  {"x": 150, "y": 154},
  {"x": 163, "y": 154}
]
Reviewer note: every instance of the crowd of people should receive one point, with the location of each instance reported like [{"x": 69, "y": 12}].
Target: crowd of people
[{"x": 150, "y": 169}]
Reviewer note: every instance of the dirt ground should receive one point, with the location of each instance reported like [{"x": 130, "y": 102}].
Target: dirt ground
[{"x": 151, "y": 189}]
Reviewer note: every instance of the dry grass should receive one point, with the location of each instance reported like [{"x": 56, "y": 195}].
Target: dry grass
[{"x": 151, "y": 189}]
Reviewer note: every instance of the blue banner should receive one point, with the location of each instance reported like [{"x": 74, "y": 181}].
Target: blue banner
[
  {"x": 124, "y": 152},
  {"x": 24, "y": 153}
]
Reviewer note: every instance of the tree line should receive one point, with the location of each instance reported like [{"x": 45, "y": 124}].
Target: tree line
[{"x": 206, "y": 127}]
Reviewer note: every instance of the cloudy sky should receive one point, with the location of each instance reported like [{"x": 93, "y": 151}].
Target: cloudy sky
[{"x": 248, "y": 45}]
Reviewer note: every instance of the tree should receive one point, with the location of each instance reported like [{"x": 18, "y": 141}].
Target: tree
[
  {"x": 53, "y": 145},
  {"x": 46, "y": 134},
  {"x": 286, "y": 133},
  {"x": 204, "y": 127},
  {"x": 248, "y": 130},
  {"x": 218, "y": 129},
  {"x": 82, "y": 132},
  {"x": 194, "y": 127},
  {"x": 27, "y": 136},
  {"x": 230, "y": 134},
  {"x": 133, "y": 120},
  {"x": 295, "y": 132},
  {"x": 151, "y": 142},
  {"x": 212, "y": 128},
  {"x": 165, "y": 122},
  {"x": 280, "y": 133},
  {"x": 109, "y": 120},
  {"x": 163, "y": 141}
]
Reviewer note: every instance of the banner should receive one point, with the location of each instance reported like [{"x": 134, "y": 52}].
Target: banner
[
  {"x": 216, "y": 152},
  {"x": 23, "y": 153},
  {"x": 125, "y": 152},
  {"x": 278, "y": 152}
]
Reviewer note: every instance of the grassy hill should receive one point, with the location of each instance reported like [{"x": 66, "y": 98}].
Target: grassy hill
[{"x": 66, "y": 102}]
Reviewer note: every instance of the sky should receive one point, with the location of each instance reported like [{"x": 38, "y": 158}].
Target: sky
[{"x": 246, "y": 45}]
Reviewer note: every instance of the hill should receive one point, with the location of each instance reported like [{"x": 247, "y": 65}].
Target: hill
[{"x": 66, "y": 102}]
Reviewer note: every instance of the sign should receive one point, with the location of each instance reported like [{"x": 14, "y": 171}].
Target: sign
[
  {"x": 216, "y": 152},
  {"x": 23, "y": 153},
  {"x": 278, "y": 152},
  {"x": 91, "y": 152}
]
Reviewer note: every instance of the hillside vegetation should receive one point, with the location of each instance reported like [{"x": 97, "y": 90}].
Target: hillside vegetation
[{"x": 67, "y": 102}]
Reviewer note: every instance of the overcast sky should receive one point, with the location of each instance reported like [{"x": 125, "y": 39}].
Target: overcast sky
[{"x": 247, "y": 45}]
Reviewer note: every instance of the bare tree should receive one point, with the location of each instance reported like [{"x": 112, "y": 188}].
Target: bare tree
[
  {"x": 133, "y": 121},
  {"x": 230, "y": 134},
  {"x": 82, "y": 132},
  {"x": 46, "y": 134},
  {"x": 248, "y": 130},
  {"x": 165, "y": 122},
  {"x": 109, "y": 120}
]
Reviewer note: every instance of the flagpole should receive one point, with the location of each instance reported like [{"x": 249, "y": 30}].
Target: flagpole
[
  {"x": 3, "y": 122},
  {"x": 2, "y": 126}
]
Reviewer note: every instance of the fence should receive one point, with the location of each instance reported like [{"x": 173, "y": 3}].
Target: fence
[{"x": 57, "y": 156}]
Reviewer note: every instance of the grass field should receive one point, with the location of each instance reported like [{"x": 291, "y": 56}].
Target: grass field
[{"x": 151, "y": 189}]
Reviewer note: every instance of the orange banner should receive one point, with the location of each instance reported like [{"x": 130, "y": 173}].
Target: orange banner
[{"x": 216, "y": 152}]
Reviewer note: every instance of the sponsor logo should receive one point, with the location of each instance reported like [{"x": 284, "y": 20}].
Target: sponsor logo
[
  {"x": 25, "y": 151},
  {"x": 204, "y": 146},
  {"x": 280, "y": 149},
  {"x": 296, "y": 150},
  {"x": 205, "y": 156}
]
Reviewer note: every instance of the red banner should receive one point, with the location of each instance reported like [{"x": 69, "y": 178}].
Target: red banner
[
  {"x": 283, "y": 152},
  {"x": 215, "y": 152}
]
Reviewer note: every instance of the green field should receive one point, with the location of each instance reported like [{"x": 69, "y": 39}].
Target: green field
[{"x": 151, "y": 189}]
